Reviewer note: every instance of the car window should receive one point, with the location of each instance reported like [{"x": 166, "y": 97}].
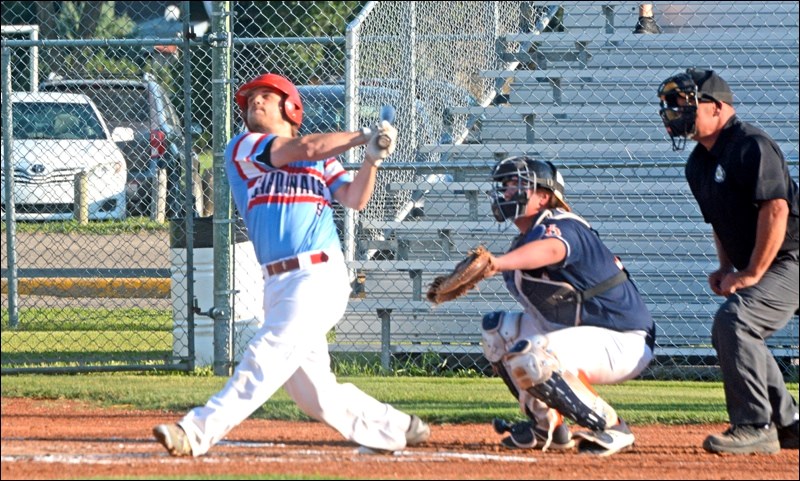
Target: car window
[
  {"x": 120, "y": 105},
  {"x": 125, "y": 106},
  {"x": 322, "y": 114},
  {"x": 49, "y": 120},
  {"x": 323, "y": 110}
]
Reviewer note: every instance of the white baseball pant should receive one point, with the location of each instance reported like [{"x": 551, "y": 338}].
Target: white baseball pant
[{"x": 290, "y": 350}]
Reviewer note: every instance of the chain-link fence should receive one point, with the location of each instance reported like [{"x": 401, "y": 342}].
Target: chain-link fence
[{"x": 113, "y": 284}]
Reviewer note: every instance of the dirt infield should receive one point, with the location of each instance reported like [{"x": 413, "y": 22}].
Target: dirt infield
[{"x": 45, "y": 439}]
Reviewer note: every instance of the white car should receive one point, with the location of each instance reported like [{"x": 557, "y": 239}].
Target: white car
[{"x": 56, "y": 136}]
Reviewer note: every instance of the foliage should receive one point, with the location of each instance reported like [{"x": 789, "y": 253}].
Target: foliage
[
  {"x": 303, "y": 63},
  {"x": 91, "y": 20},
  {"x": 312, "y": 63}
]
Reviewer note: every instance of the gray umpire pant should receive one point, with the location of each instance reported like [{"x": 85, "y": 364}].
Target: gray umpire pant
[{"x": 755, "y": 392}]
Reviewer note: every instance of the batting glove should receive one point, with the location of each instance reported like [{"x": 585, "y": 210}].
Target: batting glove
[{"x": 384, "y": 134}]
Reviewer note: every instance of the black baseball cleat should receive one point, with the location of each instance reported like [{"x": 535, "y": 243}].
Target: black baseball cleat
[
  {"x": 606, "y": 442},
  {"x": 525, "y": 435}
]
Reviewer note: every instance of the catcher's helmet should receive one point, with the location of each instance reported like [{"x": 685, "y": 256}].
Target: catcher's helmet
[
  {"x": 530, "y": 174},
  {"x": 292, "y": 106},
  {"x": 693, "y": 86}
]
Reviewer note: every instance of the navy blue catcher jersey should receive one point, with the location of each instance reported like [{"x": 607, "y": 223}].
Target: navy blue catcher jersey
[{"x": 588, "y": 263}]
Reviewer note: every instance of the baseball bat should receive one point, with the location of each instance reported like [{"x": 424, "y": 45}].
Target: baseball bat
[{"x": 387, "y": 114}]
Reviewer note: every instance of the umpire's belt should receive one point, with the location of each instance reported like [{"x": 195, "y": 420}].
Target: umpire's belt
[{"x": 291, "y": 263}]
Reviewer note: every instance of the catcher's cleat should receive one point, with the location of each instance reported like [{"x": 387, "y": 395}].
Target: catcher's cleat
[
  {"x": 524, "y": 435},
  {"x": 606, "y": 442},
  {"x": 172, "y": 437},
  {"x": 418, "y": 431},
  {"x": 744, "y": 439}
]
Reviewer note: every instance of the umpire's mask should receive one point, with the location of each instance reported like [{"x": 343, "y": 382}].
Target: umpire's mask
[
  {"x": 529, "y": 174},
  {"x": 679, "y": 117},
  {"x": 694, "y": 86}
]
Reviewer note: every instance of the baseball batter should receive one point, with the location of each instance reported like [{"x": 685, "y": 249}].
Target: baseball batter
[
  {"x": 283, "y": 186},
  {"x": 583, "y": 322}
]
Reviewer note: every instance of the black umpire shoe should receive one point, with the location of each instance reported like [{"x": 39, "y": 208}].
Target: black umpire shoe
[
  {"x": 789, "y": 436},
  {"x": 744, "y": 439}
]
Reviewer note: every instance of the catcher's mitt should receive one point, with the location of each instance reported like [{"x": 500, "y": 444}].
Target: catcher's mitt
[{"x": 465, "y": 276}]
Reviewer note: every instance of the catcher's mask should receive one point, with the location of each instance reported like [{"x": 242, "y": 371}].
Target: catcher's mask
[
  {"x": 291, "y": 106},
  {"x": 529, "y": 174},
  {"x": 680, "y": 118}
]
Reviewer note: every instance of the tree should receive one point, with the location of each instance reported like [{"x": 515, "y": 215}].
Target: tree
[{"x": 304, "y": 63}]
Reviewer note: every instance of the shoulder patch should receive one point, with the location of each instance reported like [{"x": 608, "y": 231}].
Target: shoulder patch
[{"x": 552, "y": 231}]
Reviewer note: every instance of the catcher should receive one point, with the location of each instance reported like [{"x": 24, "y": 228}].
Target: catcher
[{"x": 583, "y": 322}]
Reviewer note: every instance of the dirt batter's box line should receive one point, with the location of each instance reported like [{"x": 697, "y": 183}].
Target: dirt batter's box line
[{"x": 92, "y": 287}]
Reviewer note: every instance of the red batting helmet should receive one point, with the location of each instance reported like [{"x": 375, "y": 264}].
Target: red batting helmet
[{"x": 292, "y": 106}]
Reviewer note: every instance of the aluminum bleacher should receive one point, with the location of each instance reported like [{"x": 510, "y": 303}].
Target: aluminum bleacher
[{"x": 585, "y": 99}]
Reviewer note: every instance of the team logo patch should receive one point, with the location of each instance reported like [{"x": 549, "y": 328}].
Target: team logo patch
[
  {"x": 552, "y": 231},
  {"x": 719, "y": 175}
]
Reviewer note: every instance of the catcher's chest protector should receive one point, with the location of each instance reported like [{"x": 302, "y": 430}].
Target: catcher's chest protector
[{"x": 557, "y": 301}]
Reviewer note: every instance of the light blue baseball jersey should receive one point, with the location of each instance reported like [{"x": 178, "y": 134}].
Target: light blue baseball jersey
[{"x": 287, "y": 210}]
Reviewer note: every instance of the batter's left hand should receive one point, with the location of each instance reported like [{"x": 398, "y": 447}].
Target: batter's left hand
[
  {"x": 734, "y": 281},
  {"x": 375, "y": 153}
]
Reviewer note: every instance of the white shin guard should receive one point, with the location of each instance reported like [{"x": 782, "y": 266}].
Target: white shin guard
[
  {"x": 535, "y": 370},
  {"x": 499, "y": 329}
]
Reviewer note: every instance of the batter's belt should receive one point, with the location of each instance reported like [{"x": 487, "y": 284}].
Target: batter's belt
[{"x": 292, "y": 263}]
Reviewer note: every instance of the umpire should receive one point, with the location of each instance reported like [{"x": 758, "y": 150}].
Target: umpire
[{"x": 741, "y": 182}]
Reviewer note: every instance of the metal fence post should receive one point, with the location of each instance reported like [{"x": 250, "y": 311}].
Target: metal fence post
[
  {"x": 385, "y": 316},
  {"x": 188, "y": 171},
  {"x": 8, "y": 175},
  {"x": 80, "y": 197},
  {"x": 352, "y": 41},
  {"x": 221, "y": 102},
  {"x": 159, "y": 193}
]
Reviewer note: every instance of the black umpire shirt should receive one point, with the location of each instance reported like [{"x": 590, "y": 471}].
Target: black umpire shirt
[{"x": 744, "y": 167}]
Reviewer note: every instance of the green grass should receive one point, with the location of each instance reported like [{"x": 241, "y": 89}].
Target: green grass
[
  {"x": 82, "y": 336},
  {"x": 38, "y": 319},
  {"x": 439, "y": 400},
  {"x": 84, "y": 341},
  {"x": 126, "y": 226},
  {"x": 206, "y": 159}
]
